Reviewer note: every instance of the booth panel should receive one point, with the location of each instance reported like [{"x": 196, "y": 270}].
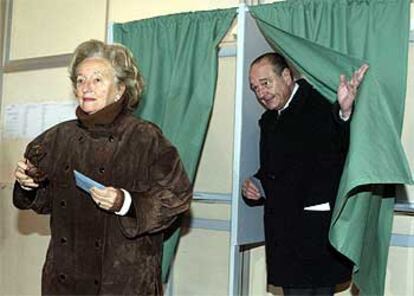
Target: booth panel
[{"x": 249, "y": 219}]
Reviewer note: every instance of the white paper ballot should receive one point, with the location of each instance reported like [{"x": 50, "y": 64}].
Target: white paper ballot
[
  {"x": 324, "y": 207},
  {"x": 86, "y": 183},
  {"x": 258, "y": 185}
]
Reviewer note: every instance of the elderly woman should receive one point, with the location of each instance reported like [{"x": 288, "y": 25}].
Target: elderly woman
[{"x": 109, "y": 240}]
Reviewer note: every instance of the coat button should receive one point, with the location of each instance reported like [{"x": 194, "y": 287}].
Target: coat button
[
  {"x": 62, "y": 277},
  {"x": 271, "y": 177},
  {"x": 67, "y": 167},
  {"x": 63, "y": 203},
  {"x": 111, "y": 139},
  {"x": 63, "y": 240},
  {"x": 101, "y": 170},
  {"x": 96, "y": 282},
  {"x": 98, "y": 243}
]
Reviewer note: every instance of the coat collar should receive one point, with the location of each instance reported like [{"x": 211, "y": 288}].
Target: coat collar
[
  {"x": 270, "y": 117},
  {"x": 103, "y": 118}
]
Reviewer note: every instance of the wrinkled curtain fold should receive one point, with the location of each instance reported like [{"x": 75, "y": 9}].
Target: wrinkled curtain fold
[
  {"x": 178, "y": 57},
  {"x": 322, "y": 39}
]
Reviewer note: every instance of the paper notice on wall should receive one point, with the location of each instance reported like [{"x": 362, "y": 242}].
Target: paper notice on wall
[{"x": 29, "y": 120}]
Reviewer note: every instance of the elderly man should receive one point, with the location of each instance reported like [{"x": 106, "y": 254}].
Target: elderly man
[{"x": 303, "y": 146}]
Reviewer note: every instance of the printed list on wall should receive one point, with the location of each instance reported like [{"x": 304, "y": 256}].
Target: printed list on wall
[{"x": 26, "y": 121}]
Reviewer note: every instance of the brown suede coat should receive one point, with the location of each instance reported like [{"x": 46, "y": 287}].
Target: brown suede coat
[{"x": 92, "y": 251}]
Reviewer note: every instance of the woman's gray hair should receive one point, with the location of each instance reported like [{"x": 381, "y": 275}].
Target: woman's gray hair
[{"x": 122, "y": 61}]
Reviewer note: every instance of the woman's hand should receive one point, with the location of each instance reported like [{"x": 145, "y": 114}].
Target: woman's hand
[
  {"x": 25, "y": 181},
  {"x": 110, "y": 199}
]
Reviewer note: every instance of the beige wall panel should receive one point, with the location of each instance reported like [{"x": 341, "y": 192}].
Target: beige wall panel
[
  {"x": 400, "y": 272},
  {"x": 37, "y": 86},
  {"x": 403, "y": 224},
  {"x": 50, "y": 27},
  {"x": 400, "y": 269},
  {"x": 215, "y": 170},
  {"x": 130, "y": 10},
  {"x": 28, "y": 87},
  {"x": 257, "y": 283},
  {"x": 210, "y": 211},
  {"x": 11, "y": 152},
  {"x": 201, "y": 266},
  {"x": 24, "y": 236}
]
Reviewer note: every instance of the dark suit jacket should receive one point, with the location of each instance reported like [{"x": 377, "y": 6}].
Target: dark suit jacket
[{"x": 302, "y": 153}]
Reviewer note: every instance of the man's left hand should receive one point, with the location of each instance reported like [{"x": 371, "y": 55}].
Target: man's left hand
[{"x": 347, "y": 90}]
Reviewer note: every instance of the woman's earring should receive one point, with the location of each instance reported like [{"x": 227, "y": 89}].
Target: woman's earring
[{"x": 117, "y": 97}]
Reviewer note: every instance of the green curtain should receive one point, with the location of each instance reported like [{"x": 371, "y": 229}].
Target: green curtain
[
  {"x": 324, "y": 38},
  {"x": 178, "y": 56}
]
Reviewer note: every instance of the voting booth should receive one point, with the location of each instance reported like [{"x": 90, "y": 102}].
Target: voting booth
[
  {"x": 306, "y": 43},
  {"x": 246, "y": 221}
]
